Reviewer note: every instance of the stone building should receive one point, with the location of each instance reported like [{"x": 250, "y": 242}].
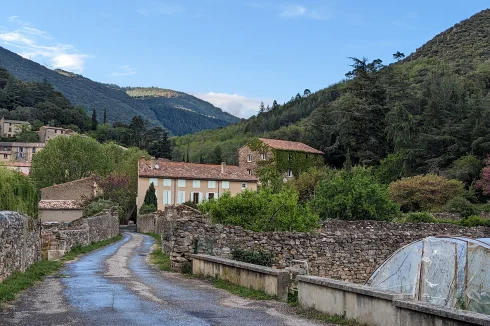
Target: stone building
[
  {"x": 290, "y": 157},
  {"x": 178, "y": 182},
  {"x": 47, "y": 133},
  {"x": 8, "y": 128}
]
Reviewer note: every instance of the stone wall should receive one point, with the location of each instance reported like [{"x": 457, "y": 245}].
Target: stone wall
[
  {"x": 58, "y": 238},
  {"x": 74, "y": 190},
  {"x": 346, "y": 250},
  {"x": 19, "y": 243},
  {"x": 146, "y": 223}
]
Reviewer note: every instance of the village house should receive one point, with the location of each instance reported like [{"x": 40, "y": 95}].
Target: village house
[
  {"x": 289, "y": 157},
  {"x": 179, "y": 182},
  {"x": 8, "y": 128},
  {"x": 47, "y": 133},
  {"x": 64, "y": 202},
  {"x": 18, "y": 156}
]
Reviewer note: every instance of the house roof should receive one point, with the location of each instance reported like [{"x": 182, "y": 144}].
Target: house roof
[
  {"x": 181, "y": 170},
  {"x": 15, "y": 163},
  {"x": 19, "y": 144},
  {"x": 60, "y": 204},
  {"x": 16, "y": 121},
  {"x": 290, "y": 146}
]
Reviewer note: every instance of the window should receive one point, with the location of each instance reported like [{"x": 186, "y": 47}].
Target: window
[
  {"x": 290, "y": 174},
  {"x": 10, "y": 129},
  {"x": 306, "y": 155},
  {"x": 196, "y": 183},
  {"x": 5, "y": 156},
  {"x": 167, "y": 182},
  {"x": 211, "y": 184},
  {"x": 154, "y": 181},
  {"x": 244, "y": 185},
  {"x": 290, "y": 156},
  {"x": 262, "y": 156},
  {"x": 249, "y": 171},
  {"x": 181, "y": 197},
  {"x": 33, "y": 150},
  {"x": 167, "y": 197},
  {"x": 181, "y": 183},
  {"x": 225, "y": 184},
  {"x": 55, "y": 131},
  {"x": 195, "y": 197},
  {"x": 210, "y": 195},
  {"x": 249, "y": 158}
]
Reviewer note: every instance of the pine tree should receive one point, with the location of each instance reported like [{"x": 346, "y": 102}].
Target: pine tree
[
  {"x": 150, "y": 196},
  {"x": 94, "y": 119},
  {"x": 105, "y": 115}
]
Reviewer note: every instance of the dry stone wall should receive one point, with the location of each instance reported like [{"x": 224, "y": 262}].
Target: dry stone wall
[
  {"x": 346, "y": 250},
  {"x": 58, "y": 238},
  {"x": 19, "y": 243}
]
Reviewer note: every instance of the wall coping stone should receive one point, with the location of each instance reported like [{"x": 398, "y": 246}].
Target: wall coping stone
[
  {"x": 351, "y": 287},
  {"x": 239, "y": 264},
  {"x": 460, "y": 315}
]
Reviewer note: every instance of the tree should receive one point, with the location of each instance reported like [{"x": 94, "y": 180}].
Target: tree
[
  {"x": 69, "y": 158},
  {"x": 26, "y": 135},
  {"x": 150, "y": 196},
  {"x": 217, "y": 155},
  {"x": 159, "y": 146},
  {"x": 274, "y": 105},
  {"x": 105, "y": 116},
  {"x": 94, "y": 119},
  {"x": 398, "y": 56},
  {"x": 307, "y": 182},
  {"x": 261, "y": 107},
  {"x": 306, "y": 93},
  {"x": 18, "y": 193},
  {"x": 467, "y": 168},
  {"x": 354, "y": 195},
  {"x": 137, "y": 129},
  {"x": 484, "y": 182}
]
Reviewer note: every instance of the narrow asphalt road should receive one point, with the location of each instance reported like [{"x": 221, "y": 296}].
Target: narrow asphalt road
[{"x": 116, "y": 286}]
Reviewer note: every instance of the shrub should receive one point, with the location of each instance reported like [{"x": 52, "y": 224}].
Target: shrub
[
  {"x": 253, "y": 257},
  {"x": 459, "y": 205},
  {"x": 424, "y": 192},
  {"x": 353, "y": 195},
  {"x": 150, "y": 196},
  {"x": 97, "y": 206},
  {"x": 262, "y": 211},
  {"x": 17, "y": 193},
  {"x": 419, "y": 217},
  {"x": 474, "y": 220},
  {"x": 484, "y": 183},
  {"x": 147, "y": 209},
  {"x": 191, "y": 204},
  {"x": 465, "y": 169}
]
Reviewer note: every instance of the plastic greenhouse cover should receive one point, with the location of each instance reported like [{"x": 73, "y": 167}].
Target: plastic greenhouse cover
[{"x": 446, "y": 271}]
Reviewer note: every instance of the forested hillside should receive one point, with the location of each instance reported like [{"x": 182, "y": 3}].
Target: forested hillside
[
  {"x": 420, "y": 114},
  {"x": 169, "y": 112}
]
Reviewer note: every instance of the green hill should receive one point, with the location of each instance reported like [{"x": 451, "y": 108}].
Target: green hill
[
  {"x": 419, "y": 114},
  {"x": 180, "y": 114}
]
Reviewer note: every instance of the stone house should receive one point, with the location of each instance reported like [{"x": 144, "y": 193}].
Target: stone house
[
  {"x": 179, "y": 182},
  {"x": 19, "y": 152},
  {"x": 64, "y": 202},
  {"x": 289, "y": 157},
  {"x": 47, "y": 133},
  {"x": 8, "y": 128}
]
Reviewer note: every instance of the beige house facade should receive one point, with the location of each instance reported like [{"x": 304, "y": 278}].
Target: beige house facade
[
  {"x": 177, "y": 182},
  {"x": 47, "y": 133},
  {"x": 60, "y": 210},
  {"x": 8, "y": 128},
  {"x": 19, "y": 152}
]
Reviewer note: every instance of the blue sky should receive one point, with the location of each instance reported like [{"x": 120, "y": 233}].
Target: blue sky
[{"x": 231, "y": 53}]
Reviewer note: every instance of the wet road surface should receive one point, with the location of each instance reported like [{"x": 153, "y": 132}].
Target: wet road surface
[{"x": 116, "y": 286}]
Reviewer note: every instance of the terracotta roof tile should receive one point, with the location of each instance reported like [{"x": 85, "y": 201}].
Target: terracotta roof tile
[
  {"x": 181, "y": 170},
  {"x": 289, "y": 146},
  {"x": 60, "y": 204}
]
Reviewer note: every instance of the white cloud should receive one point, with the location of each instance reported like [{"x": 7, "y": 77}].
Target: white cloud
[
  {"x": 238, "y": 105},
  {"x": 125, "y": 70},
  {"x": 299, "y": 11},
  {"x": 161, "y": 8},
  {"x": 29, "y": 42}
]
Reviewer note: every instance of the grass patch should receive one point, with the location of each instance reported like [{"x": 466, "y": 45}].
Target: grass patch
[
  {"x": 241, "y": 291},
  {"x": 161, "y": 259},
  {"x": 336, "y": 319},
  {"x": 19, "y": 281},
  {"x": 154, "y": 236}
]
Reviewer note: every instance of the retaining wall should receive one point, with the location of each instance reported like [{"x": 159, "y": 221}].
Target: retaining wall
[
  {"x": 269, "y": 280},
  {"x": 346, "y": 250},
  {"x": 375, "y": 307},
  {"x": 57, "y": 238},
  {"x": 19, "y": 243}
]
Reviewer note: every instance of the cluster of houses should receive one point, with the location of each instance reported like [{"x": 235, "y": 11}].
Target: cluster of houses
[{"x": 17, "y": 155}]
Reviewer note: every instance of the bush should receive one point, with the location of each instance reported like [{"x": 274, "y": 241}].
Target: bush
[
  {"x": 424, "y": 192},
  {"x": 459, "y": 205},
  {"x": 474, "y": 220},
  {"x": 419, "y": 217},
  {"x": 253, "y": 257},
  {"x": 191, "y": 204},
  {"x": 262, "y": 211},
  {"x": 147, "y": 209},
  {"x": 97, "y": 206},
  {"x": 465, "y": 169},
  {"x": 353, "y": 195}
]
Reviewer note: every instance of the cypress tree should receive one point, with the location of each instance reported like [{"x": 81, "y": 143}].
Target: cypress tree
[
  {"x": 94, "y": 120},
  {"x": 105, "y": 115},
  {"x": 150, "y": 196}
]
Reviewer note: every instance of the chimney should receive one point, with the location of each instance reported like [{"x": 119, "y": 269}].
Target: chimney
[{"x": 223, "y": 167}]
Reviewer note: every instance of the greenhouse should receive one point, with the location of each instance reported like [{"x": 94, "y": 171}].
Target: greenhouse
[{"x": 453, "y": 272}]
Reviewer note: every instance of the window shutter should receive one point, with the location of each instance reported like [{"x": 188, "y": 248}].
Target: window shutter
[
  {"x": 215, "y": 195},
  {"x": 192, "y": 196},
  {"x": 200, "y": 197}
]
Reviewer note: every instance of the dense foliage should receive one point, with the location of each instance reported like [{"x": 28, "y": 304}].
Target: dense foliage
[
  {"x": 253, "y": 257},
  {"x": 17, "y": 193},
  {"x": 353, "y": 195},
  {"x": 262, "y": 211},
  {"x": 180, "y": 113},
  {"x": 97, "y": 206},
  {"x": 424, "y": 192}
]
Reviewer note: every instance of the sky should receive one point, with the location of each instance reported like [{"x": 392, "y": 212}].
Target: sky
[{"x": 231, "y": 53}]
